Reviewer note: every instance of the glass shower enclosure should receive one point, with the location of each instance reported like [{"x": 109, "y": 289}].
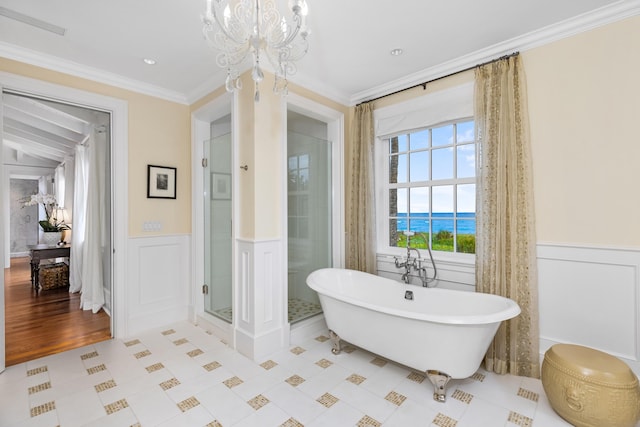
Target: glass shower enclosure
[
  {"x": 309, "y": 219},
  {"x": 218, "y": 213}
]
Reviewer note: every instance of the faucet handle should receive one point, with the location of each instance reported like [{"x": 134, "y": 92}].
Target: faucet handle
[{"x": 408, "y": 233}]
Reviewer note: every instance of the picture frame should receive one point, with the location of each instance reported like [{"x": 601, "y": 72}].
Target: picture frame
[
  {"x": 161, "y": 182},
  {"x": 220, "y": 186}
]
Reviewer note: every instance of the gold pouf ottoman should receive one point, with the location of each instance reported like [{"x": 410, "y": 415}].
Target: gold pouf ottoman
[{"x": 589, "y": 388}]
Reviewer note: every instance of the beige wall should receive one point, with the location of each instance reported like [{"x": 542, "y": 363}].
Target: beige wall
[
  {"x": 261, "y": 149},
  {"x": 584, "y": 103},
  {"x": 584, "y": 106},
  {"x": 584, "y": 109},
  {"x": 159, "y": 134}
]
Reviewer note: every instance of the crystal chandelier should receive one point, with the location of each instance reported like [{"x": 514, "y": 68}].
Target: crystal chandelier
[{"x": 239, "y": 27}]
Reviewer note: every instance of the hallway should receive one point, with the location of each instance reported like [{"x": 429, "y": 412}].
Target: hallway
[{"x": 46, "y": 323}]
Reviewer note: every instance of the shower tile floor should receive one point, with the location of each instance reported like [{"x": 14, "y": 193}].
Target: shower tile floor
[
  {"x": 298, "y": 310},
  {"x": 180, "y": 375}
]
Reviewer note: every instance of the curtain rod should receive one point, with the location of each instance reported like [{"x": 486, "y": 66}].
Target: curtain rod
[{"x": 424, "y": 84}]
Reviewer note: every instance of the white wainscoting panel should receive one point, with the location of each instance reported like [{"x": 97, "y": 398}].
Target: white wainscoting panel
[
  {"x": 261, "y": 327},
  {"x": 590, "y": 296},
  {"x": 450, "y": 275},
  {"x": 158, "y": 283}
]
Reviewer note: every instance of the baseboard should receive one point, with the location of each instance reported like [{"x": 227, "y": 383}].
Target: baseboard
[{"x": 308, "y": 329}]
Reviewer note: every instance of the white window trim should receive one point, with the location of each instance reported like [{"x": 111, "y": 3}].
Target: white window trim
[{"x": 419, "y": 113}]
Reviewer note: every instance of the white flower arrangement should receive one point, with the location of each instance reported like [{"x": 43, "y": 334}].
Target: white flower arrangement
[{"x": 49, "y": 203}]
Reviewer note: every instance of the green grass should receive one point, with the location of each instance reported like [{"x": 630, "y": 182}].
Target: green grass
[{"x": 442, "y": 241}]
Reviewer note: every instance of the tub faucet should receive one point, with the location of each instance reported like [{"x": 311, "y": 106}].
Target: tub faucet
[
  {"x": 408, "y": 262},
  {"x": 415, "y": 263}
]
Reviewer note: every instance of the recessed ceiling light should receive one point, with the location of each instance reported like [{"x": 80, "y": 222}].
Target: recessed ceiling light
[
  {"x": 396, "y": 52},
  {"x": 149, "y": 61}
]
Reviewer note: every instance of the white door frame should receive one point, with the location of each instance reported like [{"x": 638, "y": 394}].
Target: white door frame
[
  {"x": 335, "y": 133},
  {"x": 119, "y": 179},
  {"x": 201, "y": 130}
]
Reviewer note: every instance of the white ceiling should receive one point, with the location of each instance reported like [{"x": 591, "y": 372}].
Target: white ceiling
[{"x": 348, "y": 59}]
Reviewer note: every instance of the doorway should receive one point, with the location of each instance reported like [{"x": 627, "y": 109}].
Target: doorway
[
  {"x": 218, "y": 219},
  {"x": 48, "y": 141},
  {"x": 309, "y": 211}
]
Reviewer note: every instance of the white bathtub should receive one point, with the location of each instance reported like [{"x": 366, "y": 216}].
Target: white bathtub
[{"x": 443, "y": 333}]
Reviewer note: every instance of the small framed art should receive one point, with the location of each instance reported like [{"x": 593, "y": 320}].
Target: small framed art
[
  {"x": 220, "y": 186},
  {"x": 161, "y": 182}
]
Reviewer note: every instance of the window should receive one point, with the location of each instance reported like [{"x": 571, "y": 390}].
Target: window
[
  {"x": 431, "y": 187},
  {"x": 298, "y": 190}
]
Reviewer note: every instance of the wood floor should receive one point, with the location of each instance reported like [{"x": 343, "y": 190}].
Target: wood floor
[{"x": 47, "y": 322}]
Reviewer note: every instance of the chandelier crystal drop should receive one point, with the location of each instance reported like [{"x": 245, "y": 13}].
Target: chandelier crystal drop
[{"x": 237, "y": 28}]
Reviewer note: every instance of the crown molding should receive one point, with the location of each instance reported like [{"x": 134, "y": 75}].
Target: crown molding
[
  {"x": 53, "y": 63},
  {"x": 587, "y": 21},
  {"x": 581, "y": 23}
]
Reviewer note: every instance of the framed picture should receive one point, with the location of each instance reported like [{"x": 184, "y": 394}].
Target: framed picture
[
  {"x": 220, "y": 186},
  {"x": 161, "y": 182}
]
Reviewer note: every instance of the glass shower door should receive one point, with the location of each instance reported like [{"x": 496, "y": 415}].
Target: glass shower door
[
  {"x": 218, "y": 227},
  {"x": 309, "y": 220}
]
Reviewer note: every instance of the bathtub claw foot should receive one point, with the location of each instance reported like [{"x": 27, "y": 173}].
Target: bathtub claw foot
[
  {"x": 439, "y": 381},
  {"x": 335, "y": 341}
]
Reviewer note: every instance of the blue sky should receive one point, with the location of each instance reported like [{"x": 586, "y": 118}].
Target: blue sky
[{"x": 442, "y": 163}]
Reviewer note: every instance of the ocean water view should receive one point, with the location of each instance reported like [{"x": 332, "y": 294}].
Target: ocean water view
[{"x": 419, "y": 222}]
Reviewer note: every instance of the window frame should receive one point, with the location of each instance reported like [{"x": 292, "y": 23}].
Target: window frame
[{"x": 458, "y": 109}]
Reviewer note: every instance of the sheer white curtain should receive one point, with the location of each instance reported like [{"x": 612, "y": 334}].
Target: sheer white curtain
[
  {"x": 90, "y": 236},
  {"x": 60, "y": 185},
  {"x": 79, "y": 219}
]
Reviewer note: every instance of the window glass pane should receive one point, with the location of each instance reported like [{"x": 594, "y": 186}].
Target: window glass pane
[
  {"x": 466, "y": 160},
  {"x": 443, "y": 235},
  {"x": 466, "y": 235},
  {"x": 393, "y": 169},
  {"x": 303, "y": 162},
  {"x": 293, "y": 230},
  {"x": 293, "y": 206},
  {"x": 403, "y": 220},
  {"x": 292, "y": 181},
  {"x": 419, "y": 166},
  {"x": 419, "y": 140},
  {"x": 398, "y": 144},
  {"x": 303, "y": 228},
  {"x": 466, "y": 199},
  {"x": 403, "y": 143},
  {"x": 397, "y": 201},
  {"x": 419, "y": 225},
  {"x": 293, "y": 163},
  {"x": 419, "y": 200},
  {"x": 442, "y": 200},
  {"x": 393, "y": 202},
  {"x": 393, "y": 145},
  {"x": 303, "y": 205},
  {"x": 393, "y": 232},
  {"x": 402, "y": 200},
  {"x": 303, "y": 177},
  {"x": 442, "y": 136},
  {"x": 465, "y": 132},
  {"x": 442, "y": 163},
  {"x": 398, "y": 168}
]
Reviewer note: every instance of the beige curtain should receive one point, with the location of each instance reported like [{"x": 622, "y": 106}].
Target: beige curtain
[
  {"x": 361, "y": 250},
  {"x": 505, "y": 248}
]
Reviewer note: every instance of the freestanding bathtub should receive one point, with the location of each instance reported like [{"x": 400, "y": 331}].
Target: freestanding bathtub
[{"x": 443, "y": 333}]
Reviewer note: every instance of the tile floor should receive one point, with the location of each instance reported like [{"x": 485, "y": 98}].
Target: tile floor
[{"x": 181, "y": 375}]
